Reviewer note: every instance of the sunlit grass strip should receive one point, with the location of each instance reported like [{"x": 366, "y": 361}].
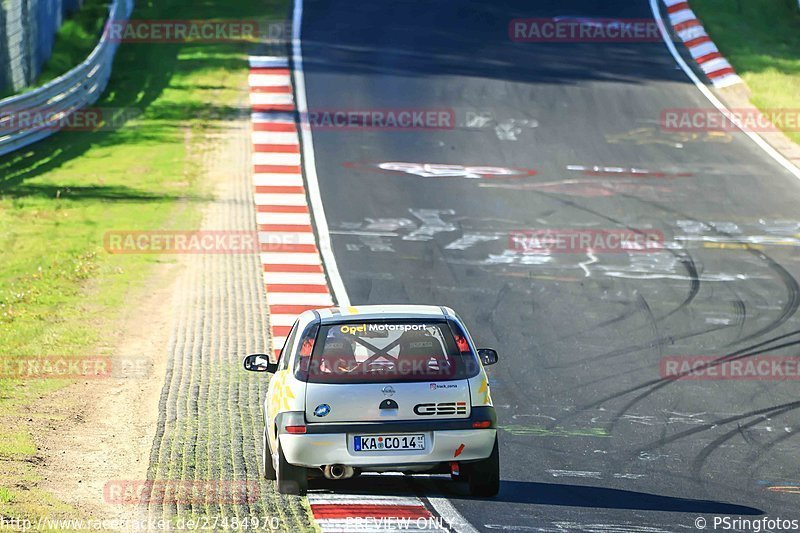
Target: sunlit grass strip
[{"x": 761, "y": 40}]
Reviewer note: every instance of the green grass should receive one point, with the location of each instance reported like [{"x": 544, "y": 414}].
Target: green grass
[
  {"x": 59, "y": 289},
  {"x": 75, "y": 39},
  {"x": 761, "y": 39},
  {"x": 6, "y": 496},
  {"x": 16, "y": 444}
]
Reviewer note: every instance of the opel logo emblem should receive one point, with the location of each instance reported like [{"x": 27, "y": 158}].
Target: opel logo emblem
[{"x": 388, "y": 390}]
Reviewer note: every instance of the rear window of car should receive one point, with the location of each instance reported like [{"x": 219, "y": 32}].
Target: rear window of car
[{"x": 388, "y": 351}]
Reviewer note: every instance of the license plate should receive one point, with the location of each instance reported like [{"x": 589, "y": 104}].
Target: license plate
[{"x": 380, "y": 443}]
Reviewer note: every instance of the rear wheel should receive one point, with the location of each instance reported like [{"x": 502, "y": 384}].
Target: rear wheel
[
  {"x": 266, "y": 456},
  {"x": 291, "y": 479},
  {"x": 484, "y": 476}
]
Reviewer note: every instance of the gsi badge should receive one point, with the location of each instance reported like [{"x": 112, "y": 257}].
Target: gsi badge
[{"x": 443, "y": 408}]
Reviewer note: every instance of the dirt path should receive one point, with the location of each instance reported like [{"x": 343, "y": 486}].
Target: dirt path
[
  {"x": 195, "y": 416},
  {"x": 102, "y": 431}
]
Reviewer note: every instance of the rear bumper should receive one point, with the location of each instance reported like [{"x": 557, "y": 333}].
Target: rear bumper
[{"x": 313, "y": 450}]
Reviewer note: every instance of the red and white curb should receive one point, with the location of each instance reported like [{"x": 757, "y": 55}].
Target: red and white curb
[
  {"x": 703, "y": 50},
  {"x": 356, "y": 512},
  {"x": 294, "y": 277}
]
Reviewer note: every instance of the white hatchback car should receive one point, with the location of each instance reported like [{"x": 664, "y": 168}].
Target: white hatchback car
[{"x": 395, "y": 388}]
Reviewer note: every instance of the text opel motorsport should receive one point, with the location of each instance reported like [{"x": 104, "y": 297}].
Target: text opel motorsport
[{"x": 379, "y": 389}]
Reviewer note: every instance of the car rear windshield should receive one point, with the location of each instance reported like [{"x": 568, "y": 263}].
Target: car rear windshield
[{"x": 388, "y": 351}]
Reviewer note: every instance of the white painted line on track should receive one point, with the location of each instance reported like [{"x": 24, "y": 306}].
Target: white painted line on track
[{"x": 310, "y": 168}]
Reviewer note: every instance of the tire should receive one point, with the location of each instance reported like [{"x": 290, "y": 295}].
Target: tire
[
  {"x": 266, "y": 456},
  {"x": 484, "y": 476},
  {"x": 291, "y": 479}
]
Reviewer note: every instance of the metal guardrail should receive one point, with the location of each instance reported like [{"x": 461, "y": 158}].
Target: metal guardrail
[{"x": 30, "y": 117}]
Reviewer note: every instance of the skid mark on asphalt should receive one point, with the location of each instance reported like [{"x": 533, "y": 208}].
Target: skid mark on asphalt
[{"x": 209, "y": 430}]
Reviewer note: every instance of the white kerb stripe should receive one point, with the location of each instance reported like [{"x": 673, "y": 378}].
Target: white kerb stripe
[
  {"x": 715, "y": 64},
  {"x": 279, "y": 199},
  {"x": 692, "y": 33},
  {"x": 283, "y": 180},
  {"x": 282, "y": 320},
  {"x": 681, "y": 16},
  {"x": 275, "y": 158},
  {"x": 703, "y": 49},
  {"x": 299, "y": 298},
  {"x": 275, "y": 137},
  {"x": 278, "y": 342},
  {"x": 271, "y": 98},
  {"x": 303, "y": 219},
  {"x": 268, "y": 80},
  {"x": 290, "y": 258},
  {"x": 284, "y": 237},
  {"x": 671, "y": 3},
  {"x": 299, "y": 278}
]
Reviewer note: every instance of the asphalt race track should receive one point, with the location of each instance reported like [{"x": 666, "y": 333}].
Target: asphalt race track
[{"x": 592, "y": 438}]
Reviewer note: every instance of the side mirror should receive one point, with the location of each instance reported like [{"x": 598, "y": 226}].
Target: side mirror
[
  {"x": 488, "y": 356},
  {"x": 260, "y": 362}
]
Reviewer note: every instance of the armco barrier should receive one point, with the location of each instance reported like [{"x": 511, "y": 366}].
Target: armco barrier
[{"x": 52, "y": 103}]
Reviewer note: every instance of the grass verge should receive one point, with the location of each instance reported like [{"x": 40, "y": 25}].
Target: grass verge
[
  {"x": 58, "y": 286},
  {"x": 75, "y": 39},
  {"x": 761, "y": 39}
]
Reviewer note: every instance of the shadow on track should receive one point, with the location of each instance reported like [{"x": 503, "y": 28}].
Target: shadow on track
[
  {"x": 608, "y": 498},
  {"x": 534, "y": 494}
]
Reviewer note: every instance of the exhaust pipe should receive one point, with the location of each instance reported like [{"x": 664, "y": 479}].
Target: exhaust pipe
[{"x": 338, "y": 471}]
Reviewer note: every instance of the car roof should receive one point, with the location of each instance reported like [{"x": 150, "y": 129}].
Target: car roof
[{"x": 382, "y": 312}]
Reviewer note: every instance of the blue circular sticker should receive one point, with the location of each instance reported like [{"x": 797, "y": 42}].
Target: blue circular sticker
[{"x": 322, "y": 410}]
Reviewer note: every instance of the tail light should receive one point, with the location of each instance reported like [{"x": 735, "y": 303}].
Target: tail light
[
  {"x": 296, "y": 430},
  {"x": 483, "y": 424}
]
